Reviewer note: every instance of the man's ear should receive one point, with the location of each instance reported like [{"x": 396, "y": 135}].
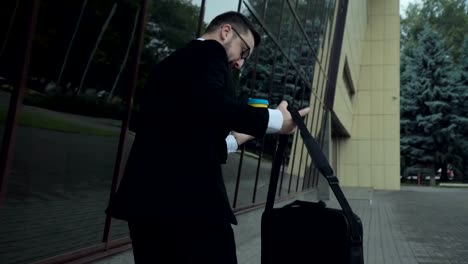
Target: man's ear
[{"x": 224, "y": 33}]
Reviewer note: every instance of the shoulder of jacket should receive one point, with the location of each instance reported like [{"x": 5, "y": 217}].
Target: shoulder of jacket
[{"x": 213, "y": 47}]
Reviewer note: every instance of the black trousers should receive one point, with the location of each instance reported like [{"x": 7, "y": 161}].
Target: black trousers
[{"x": 182, "y": 242}]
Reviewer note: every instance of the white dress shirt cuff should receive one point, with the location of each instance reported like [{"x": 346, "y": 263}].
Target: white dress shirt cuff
[
  {"x": 231, "y": 143},
  {"x": 275, "y": 122}
]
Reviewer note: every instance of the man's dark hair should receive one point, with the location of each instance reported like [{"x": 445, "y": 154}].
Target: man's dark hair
[{"x": 238, "y": 21}]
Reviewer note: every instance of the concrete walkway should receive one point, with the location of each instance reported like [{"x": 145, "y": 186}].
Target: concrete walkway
[{"x": 415, "y": 225}]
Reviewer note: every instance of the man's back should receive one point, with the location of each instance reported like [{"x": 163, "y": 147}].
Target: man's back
[{"x": 174, "y": 165}]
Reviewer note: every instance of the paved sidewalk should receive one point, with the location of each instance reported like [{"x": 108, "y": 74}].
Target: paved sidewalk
[{"x": 421, "y": 225}]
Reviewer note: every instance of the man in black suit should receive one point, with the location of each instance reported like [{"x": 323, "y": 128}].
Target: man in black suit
[{"x": 172, "y": 192}]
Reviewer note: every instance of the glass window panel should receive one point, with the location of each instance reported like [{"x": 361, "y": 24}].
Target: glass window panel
[
  {"x": 293, "y": 87},
  {"x": 303, "y": 9},
  {"x": 322, "y": 86},
  {"x": 308, "y": 62},
  {"x": 257, "y": 5},
  {"x": 11, "y": 32},
  {"x": 119, "y": 228},
  {"x": 287, "y": 27},
  {"x": 293, "y": 3},
  {"x": 279, "y": 78},
  {"x": 273, "y": 16},
  {"x": 296, "y": 54},
  {"x": 330, "y": 6},
  {"x": 68, "y": 133},
  {"x": 255, "y": 75},
  {"x": 272, "y": 74},
  {"x": 255, "y": 82},
  {"x": 172, "y": 24},
  {"x": 314, "y": 23},
  {"x": 307, "y": 94}
]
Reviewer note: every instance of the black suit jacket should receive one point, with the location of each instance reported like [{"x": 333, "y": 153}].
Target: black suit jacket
[{"x": 174, "y": 167}]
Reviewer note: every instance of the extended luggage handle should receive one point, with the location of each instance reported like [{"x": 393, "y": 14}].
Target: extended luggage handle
[{"x": 321, "y": 163}]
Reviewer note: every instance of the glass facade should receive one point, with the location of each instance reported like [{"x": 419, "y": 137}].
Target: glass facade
[{"x": 71, "y": 127}]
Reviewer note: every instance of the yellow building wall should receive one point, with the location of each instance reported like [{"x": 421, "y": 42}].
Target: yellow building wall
[{"x": 370, "y": 157}]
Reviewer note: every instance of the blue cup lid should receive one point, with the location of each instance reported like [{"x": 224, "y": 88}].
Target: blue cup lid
[{"x": 258, "y": 101}]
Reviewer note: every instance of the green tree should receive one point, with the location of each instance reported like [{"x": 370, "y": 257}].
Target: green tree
[
  {"x": 408, "y": 91},
  {"x": 449, "y": 17},
  {"x": 172, "y": 24},
  {"x": 430, "y": 99},
  {"x": 462, "y": 86}
]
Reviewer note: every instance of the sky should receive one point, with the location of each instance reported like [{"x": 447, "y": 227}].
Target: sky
[
  {"x": 215, "y": 7},
  {"x": 404, "y": 4}
]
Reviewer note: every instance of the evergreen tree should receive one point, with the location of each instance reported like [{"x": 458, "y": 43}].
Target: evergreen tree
[
  {"x": 408, "y": 125},
  {"x": 461, "y": 150},
  {"x": 429, "y": 103},
  {"x": 448, "y": 17}
]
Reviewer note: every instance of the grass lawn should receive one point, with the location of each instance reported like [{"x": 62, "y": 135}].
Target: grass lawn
[{"x": 36, "y": 120}]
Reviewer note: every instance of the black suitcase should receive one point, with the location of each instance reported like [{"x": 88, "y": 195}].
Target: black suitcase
[{"x": 309, "y": 232}]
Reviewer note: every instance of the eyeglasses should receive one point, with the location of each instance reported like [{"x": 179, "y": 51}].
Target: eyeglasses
[{"x": 245, "y": 52}]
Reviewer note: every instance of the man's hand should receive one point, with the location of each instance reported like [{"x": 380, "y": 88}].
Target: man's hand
[
  {"x": 241, "y": 138},
  {"x": 288, "y": 124}
]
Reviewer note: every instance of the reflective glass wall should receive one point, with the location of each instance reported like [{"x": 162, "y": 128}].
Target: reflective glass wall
[
  {"x": 68, "y": 125},
  {"x": 71, "y": 127}
]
